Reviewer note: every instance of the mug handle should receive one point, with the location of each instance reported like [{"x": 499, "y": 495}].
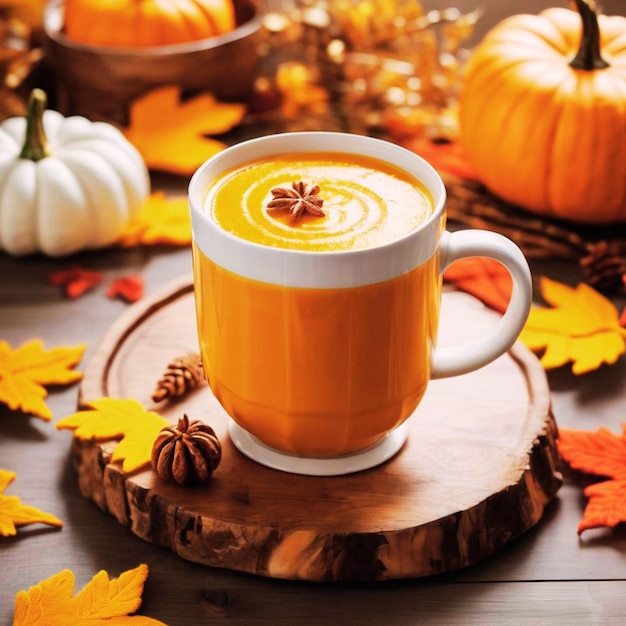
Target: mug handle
[{"x": 469, "y": 356}]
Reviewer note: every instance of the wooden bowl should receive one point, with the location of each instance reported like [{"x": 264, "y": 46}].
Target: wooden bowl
[{"x": 101, "y": 82}]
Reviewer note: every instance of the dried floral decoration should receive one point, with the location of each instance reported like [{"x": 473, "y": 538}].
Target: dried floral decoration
[
  {"x": 13, "y": 513},
  {"x": 127, "y": 288},
  {"x": 25, "y": 371},
  {"x": 173, "y": 135},
  {"x": 300, "y": 96},
  {"x": 581, "y": 327},
  {"x": 373, "y": 66},
  {"x": 75, "y": 281},
  {"x": 301, "y": 198},
  {"x": 21, "y": 53},
  {"x": 161, "y": 220},
  {"x": 126, "y": 420},
  {"x": 486, "y": 279},
  {"x": 101, "y": 601},
  {"x": 187, "y": 453},
  {"x": 600, "y": 453},
  {"x": 181, "y": 376}
]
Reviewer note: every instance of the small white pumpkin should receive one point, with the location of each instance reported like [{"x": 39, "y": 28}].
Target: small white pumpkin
[{"x": 66, "y": 183}]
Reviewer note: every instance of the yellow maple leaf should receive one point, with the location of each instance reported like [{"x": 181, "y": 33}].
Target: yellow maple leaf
[
  {"x": 25, "y": 371},
  {"x": 581, "y": 327},
  {"x": 161, "y": 220},
  {"x": 124, "y": 419},
  {"x": 101, "y": 601},
  {"x": 172, "y": 135},
  {"x": 13, "y": 513}
]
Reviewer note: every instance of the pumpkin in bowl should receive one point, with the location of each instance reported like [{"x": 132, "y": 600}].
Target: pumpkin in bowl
[
  {"x": 66, "y": 184},
  {"x": 543, "y": 113},
  {"x": 146, "y": 23}
]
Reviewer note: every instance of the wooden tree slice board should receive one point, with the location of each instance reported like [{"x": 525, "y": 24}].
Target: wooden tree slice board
[{"x": 477, "y": 470}]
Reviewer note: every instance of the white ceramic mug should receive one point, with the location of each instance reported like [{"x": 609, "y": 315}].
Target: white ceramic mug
[{"x": 323, "y": 354}]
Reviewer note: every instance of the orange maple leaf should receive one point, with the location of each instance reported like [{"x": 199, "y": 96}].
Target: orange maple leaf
[
  {"x": 173, "y": 135},
  {"x": 161, "y": 220},
  {"x": 114, "y": 418},
  {"x": 484, "y": 278},
  {"x": 128, "y": 288},
  {"x": 101, "y": 601},
  {"x": 25, "y": 371},
  {"x": 581, "y": 327},
  {"x": 75, "y": 281},
  {"x": 606, "y": 506},
  {"x": 13, "y": 513},
  {"x": 444, "y": 157},
  {"x": 601, "y": 453}
]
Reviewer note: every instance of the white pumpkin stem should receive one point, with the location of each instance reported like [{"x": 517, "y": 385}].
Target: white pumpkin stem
[
  {"x": 588, "y": 56},
  {"x": 36, "y": 146}
]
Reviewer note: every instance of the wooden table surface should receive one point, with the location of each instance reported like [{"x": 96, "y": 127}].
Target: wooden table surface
[{"x": 548, "y": 576}]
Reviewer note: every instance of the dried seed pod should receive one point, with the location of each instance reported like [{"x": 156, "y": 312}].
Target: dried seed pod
[{"x": 187, "y": 453}]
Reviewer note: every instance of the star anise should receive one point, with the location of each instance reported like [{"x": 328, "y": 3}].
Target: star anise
[{"x": 297, "y": 200}]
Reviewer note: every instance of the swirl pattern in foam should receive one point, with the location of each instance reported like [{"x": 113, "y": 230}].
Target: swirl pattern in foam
[{"x": 367, "y": 203}]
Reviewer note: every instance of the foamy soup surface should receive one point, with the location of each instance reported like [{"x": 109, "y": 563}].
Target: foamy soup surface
[{"x": 367, "y": 202}]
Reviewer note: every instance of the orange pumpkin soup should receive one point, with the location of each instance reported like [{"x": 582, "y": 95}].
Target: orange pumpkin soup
[{"x": 366, "y": 202}]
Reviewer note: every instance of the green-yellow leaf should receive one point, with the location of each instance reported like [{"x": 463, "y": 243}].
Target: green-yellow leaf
[
  {"x": 102, "y": 601},
  {"x": 581, "y": 327},
  {"x": 124, "y": 419}
]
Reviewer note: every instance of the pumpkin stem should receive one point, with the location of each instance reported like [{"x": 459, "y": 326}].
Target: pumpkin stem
[
  {"x": 588, "y": 56},
  {"x": 36, "y": 146}
]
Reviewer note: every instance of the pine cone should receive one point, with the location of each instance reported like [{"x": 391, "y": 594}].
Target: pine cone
[
  {"x": 182, "y": 375},
  {"x": 188, "y": 453},
  {"x": 604, "y": 265}
]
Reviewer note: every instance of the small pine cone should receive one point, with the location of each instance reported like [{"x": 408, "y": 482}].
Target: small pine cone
[
  {"x": 188, "y": 453},
  {"x": 182, "y": 375},
  {"x": 604, "y": 265}
]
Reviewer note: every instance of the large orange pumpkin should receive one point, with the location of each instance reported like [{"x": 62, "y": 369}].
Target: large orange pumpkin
[
  {"x": 144, "y": 23},
  {"x": 543, "y": 113}
]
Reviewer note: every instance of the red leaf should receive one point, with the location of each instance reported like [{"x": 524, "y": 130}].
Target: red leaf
[
  {"x": 129, "y": 288},
  {"x": 486, "y": 279},
  {"x": 606, "y": 506},
  {"x": 444, "y": 157},
  {"x": 75, "y": 281}
]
